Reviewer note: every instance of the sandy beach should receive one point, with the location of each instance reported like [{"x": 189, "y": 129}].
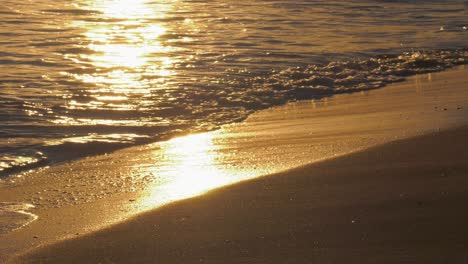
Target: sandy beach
[
  {"x": 404, "y": 202},
  {"x": 379, "y": 181},
  {"x": 139, "y": 131}
]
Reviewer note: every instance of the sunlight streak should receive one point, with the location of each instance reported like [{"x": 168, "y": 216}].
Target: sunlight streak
[
  {"x": 126, "y": 55},
  {"x": 191, "y": 165}
]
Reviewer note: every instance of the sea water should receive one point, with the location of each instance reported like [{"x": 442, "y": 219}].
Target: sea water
[{"x": 85, "y": 77}]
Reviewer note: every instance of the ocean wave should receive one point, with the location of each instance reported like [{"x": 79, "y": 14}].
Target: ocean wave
[
  {"x": 208, "y": 108},
  {"x": 313, "y": 81},
  {"x": 87, "y": 77}
]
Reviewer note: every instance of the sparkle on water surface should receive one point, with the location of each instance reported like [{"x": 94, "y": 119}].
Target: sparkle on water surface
[{"x": 125, "y": 52}]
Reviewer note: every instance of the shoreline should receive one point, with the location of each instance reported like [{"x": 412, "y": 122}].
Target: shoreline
[
  {"x": 303, "y": 133},
  {"x": 400, "y": 202},
  {"x": 48, "y": 157}
]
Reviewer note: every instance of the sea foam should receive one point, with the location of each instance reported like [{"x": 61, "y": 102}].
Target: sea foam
[{"x": 14, "y": 216}]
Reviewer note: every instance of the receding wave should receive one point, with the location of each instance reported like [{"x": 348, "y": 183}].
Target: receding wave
[
  {"x": 86, "y": 77},
  {"x": 14, "y": 216},
  {"x": 240, "y": 97},
  {"x": 350, "y": 76}
]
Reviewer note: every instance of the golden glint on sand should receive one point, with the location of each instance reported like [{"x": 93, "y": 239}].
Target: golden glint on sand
[{"x": 191, "y": 165}]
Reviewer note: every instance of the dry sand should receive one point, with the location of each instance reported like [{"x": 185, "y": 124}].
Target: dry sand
[{"x": 404, "y": 202}]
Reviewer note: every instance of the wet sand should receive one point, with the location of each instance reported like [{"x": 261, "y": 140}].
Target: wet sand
[
  {"x": 404, "y": 202},
  {"x": 395, "y": 194}
]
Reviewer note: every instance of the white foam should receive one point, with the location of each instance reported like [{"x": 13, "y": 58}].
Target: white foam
[{"x": 14, "y": 216}]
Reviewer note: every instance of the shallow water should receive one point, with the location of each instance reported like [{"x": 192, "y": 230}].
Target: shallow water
[{"x": 83, "y": 77}]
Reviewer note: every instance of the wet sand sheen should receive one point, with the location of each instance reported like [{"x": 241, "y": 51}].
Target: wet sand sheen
[
  {"x": 93, "y": 193},
  {"x": 403, "y": 202}
]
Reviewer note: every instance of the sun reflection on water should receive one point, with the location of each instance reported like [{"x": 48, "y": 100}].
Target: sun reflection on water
[
  {"x": 126, "y": 58},
  {"x": 126, "y": 9}
]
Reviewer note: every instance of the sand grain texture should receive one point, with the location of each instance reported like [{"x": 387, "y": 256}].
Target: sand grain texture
[{"x": 404, "y": 202}]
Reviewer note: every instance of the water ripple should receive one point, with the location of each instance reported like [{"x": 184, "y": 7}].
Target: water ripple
[{"x": 96, "y": 69}]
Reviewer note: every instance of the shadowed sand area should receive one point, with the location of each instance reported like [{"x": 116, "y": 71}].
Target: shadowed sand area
[
  {"x": 361, "y": 199},
  {"x": 404, "y": 202}
]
